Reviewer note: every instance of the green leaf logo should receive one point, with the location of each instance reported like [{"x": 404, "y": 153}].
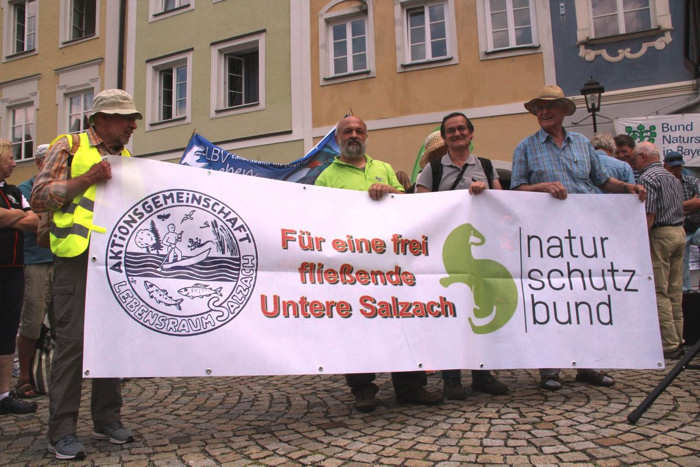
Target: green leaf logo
[
  {"x": 493, "y": 288},
  {"x": 641, "y": 133}
]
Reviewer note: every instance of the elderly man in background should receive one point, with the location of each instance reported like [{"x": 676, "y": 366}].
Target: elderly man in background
[
  {"x": 355, "y": 170},
  {"x": 673, "y": 162},
  {"x": 15, "y": 218},
  {"x": 604, "y": 145},
  {"x": 664, "y": 207},
  {"x": 66, "y": 187},
  {"x": 558, "y": 162},
  {"x": 38, "y": 280}
]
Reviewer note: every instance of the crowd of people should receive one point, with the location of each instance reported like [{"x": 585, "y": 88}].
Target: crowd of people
[{"x": 43, "y": 258}]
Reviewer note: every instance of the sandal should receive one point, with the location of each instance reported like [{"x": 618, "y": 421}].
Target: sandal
[{"x": 25, "y": 391}]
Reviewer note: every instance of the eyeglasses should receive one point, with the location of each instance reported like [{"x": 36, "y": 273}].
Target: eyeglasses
[{"x": 454, "y": 129}]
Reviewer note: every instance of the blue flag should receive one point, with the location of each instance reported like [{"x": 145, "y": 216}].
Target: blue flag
[{"x": 202, "y": 153}]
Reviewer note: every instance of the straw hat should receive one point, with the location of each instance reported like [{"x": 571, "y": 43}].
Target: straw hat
[
  {"x": 114, "y": 101},
  {"x": 434, "y": 146},
  {"x": 551, "y": 93}
]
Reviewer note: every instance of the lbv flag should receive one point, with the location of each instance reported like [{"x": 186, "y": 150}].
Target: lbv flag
[{"x": 202, "y": 153}]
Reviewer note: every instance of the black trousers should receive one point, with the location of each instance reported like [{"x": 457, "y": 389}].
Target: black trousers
[
  {"x": 402, "y": 380},
  {"x": 11, "y": 296}
]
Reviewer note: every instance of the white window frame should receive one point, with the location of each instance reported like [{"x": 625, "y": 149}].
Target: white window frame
[
  {"x": 347, "y": 25},
  {"x": 32, "y": 129},
  {"x": 9, "y": 29},
  {"x": 541, "y": 32},
  {"x": 620, "y": 16},
  {"x": 153, "y": 69},
  {"x": 174, "y": 100},
  {"x": 18, "y": 93},
  {"x": 66, "y": 24},
  {"x": 660, "y": 21},
  {"x": 73, "y": 79},
  {"x": 511, "y": 26},
  {"x": 332, "y": 14},
  {"x": 424, "y": 10},
  {"x": 403, "y": 56},
  {"x": 157, "y": 12},
  {"x": 83, "y": 112},
  {"x": 218, "y": 83}
]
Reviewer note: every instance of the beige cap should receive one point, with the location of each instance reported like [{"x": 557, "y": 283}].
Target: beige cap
[
  {"x": 434, "y": 145},
  {"x": 114, "y": 101},
  {"x": 551, "y": 93}
]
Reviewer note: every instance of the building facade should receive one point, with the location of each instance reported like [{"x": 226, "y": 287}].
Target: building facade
[
  {"x": 56, "y": 55},
  {"x": 267, "y": 78},
  {"x": 634, "y": 49},
  {"x": 233, "y": 71},
  {"x": 402, "y": 65}
]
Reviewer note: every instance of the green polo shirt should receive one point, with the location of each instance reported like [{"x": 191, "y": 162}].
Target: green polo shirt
[{"x": 343, "y": 175}]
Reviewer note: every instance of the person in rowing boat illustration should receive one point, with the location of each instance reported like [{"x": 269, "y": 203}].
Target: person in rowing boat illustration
[{"x": 171, "y": 239}]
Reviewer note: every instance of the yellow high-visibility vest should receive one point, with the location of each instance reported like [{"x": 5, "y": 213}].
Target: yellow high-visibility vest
[{"x": 71, "y": 225}]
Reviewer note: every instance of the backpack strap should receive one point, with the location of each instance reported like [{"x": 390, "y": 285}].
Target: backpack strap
[
  {"x": 74, "y": 140},
  {"x": 488, "y": 169},
  {"x": 75, "y": 145},
  {"x": 436, "y": 168}
]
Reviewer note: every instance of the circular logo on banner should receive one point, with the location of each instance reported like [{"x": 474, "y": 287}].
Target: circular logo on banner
[{"x": 181, "y": 262}]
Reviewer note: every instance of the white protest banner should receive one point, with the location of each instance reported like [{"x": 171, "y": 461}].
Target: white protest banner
[
  {"x": 208, "y": 273},
  {"x": 669, "y": 132}
]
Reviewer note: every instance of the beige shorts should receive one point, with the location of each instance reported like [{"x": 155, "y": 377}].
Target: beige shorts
[{"x": 38, "y": 279}]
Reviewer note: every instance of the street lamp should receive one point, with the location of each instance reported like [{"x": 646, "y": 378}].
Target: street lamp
[{"x": 591, "y": 92}]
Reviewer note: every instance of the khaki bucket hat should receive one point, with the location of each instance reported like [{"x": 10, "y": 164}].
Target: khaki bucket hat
[
  {"x": 115, "y": 102},
  {"x": 551, "y": 93}
]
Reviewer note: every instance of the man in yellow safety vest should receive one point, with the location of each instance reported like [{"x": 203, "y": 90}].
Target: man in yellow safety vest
[{"x": 65, "y": 187}]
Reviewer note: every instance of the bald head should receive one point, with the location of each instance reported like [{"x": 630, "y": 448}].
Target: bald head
[
  {"x": 351, "y": 134},
  {"x": 645, "y": 153},
  {"x": 350, "y": 120}
]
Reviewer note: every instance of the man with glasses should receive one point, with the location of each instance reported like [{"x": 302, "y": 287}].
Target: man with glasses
[{"x": 459, "y": 169}]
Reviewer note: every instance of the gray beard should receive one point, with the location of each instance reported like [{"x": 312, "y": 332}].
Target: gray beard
[{"x": 352, "y": 151}]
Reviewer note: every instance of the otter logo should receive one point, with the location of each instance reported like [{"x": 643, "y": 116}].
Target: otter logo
[
  {"x": 181, "y": 263},
  {"x": 493, "y": 288}
]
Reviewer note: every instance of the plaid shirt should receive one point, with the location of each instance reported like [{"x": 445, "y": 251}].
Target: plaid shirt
[
  {"x": 537, "y": 159},
  {"x": 691, "y": 187},
  {"x": 49, "y": 192},
  {"x": 621, "y": 170}
]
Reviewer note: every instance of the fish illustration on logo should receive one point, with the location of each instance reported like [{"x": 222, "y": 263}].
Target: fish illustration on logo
[
  {"x": 161, "y": 295},
  {"x": 210, "y": 258},
  {"x": 493, "y": 288},
  {"x": 199, "y": 291}
]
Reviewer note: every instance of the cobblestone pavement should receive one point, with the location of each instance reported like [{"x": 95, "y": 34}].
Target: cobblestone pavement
[{"x": 310, "y": 420}]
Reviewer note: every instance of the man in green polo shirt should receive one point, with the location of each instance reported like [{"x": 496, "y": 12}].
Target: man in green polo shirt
[{"x": 355, "y": 170}]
